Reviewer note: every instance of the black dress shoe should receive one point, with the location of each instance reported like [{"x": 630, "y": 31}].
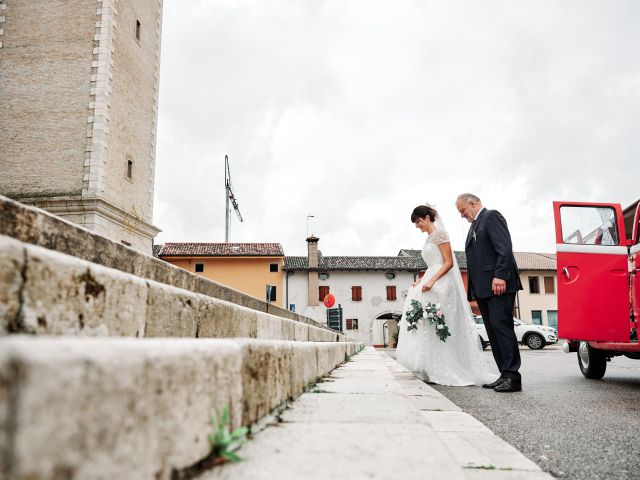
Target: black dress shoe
[
  {"x": 509, "y": 385},
  {"x": 494, "y": 384}
]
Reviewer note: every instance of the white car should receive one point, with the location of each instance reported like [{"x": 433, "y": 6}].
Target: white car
[{"x": 533, "y": 336}]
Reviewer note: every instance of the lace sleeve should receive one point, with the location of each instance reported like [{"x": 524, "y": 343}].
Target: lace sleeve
[{"x": 438, "y": 237}]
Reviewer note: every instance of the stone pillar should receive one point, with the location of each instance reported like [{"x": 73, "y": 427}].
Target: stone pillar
[{"x": 312, "y": 255}]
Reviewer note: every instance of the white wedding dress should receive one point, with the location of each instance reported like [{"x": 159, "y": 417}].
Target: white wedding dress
[{"x": 459, "y": 360}]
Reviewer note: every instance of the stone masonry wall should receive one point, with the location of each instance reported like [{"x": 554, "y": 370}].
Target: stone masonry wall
[
  {"x": 79, "y": 100},
  {"x": 44, "y": 78},
  {"x": 133, "y": 105}
]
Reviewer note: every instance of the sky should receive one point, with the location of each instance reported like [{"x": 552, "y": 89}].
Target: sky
[{"x": 357, "y": 111}]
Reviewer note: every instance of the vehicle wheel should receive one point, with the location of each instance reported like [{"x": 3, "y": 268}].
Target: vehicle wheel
[
  {"x": 593, "y": 363},
  {"x": 534, "y": 341},
  {"x": 483, "y": 343}
]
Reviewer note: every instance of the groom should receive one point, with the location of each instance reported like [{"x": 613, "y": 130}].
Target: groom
[{"x": 492, "y": 280}]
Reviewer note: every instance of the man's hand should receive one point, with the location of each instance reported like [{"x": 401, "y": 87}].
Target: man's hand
[{"x": 498, "y": 286}]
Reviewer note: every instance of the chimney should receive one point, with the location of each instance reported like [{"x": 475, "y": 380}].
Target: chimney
[{"x": 312, "y": 257}]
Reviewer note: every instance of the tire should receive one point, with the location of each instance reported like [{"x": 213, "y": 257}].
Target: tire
[
  {"x": 534, "y": 341},
  {"x": 592, "y": 362}
]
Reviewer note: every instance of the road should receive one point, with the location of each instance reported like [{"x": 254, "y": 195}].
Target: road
[{"x": 572, "y": 427}]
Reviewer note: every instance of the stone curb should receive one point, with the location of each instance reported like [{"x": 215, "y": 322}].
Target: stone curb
[
  {"x": 475, "y": 448},
  {"x": 46, "y": 292},
  {"x": 75, "y": 407},
  {"x": 371, "y": 418}
]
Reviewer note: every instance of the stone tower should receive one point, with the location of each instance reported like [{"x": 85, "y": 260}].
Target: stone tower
[{"x": 78, "y": 111}]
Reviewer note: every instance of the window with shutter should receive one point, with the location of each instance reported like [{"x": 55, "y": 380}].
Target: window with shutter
[
  {"x": 549, "y": 285},
  {"x": 323, "y": 292},
  {"x": 352, "y": 324},
  {"x": 391, "y": 292},
  {"x": 356, "y": 294}
]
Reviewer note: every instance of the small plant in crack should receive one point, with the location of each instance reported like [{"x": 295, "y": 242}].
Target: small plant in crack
[
  {"x": 224, "y": 445},
  {"x": 224, "y": 442},
  {"x": 318, "y": 390},
  {"x": 472, "y": 466}
]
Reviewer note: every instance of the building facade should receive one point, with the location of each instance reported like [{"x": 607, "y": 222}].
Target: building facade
[
  {"x": 78, "y": 110},
  {"x": 538, "y": 301},
  {"x": 252, "y": 268},
  {"x": 370, "y": 290}
]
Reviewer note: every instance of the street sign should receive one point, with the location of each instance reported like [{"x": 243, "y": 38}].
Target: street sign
[
  {"x": 329, "y": 300},
  {"x": 334, "y": 318}
]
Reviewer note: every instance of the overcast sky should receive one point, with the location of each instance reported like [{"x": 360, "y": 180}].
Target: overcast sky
[{"x": 357, "y": 111}]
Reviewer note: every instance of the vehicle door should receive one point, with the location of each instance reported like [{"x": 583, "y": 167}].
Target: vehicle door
[
  {"x": 635, "y": 265},
  {"x": 593, "y": 279}
]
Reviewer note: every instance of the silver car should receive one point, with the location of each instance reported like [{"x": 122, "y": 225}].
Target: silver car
[{"x": 533, "y": 336}]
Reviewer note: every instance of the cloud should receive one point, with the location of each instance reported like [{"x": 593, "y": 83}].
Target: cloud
[{"x": 357, "y": 111}]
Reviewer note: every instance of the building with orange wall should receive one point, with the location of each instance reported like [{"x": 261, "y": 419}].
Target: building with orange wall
[{"x": 251, "y": 268}]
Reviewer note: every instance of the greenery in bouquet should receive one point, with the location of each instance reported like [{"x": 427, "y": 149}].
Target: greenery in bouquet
[
  {"x": 434, "y": 316},
  {"x": 430, "y": 314},
  {"x": 414, "y": 315}
]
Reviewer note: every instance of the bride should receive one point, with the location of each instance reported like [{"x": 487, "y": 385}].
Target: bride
[{"x": 458, "y": 360}]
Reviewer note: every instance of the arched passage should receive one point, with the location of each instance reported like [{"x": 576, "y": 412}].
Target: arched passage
[{"x": 383, "y": 325}]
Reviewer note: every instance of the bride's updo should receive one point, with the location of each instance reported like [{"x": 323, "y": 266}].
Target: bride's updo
[{"x": 423, "y": 211}]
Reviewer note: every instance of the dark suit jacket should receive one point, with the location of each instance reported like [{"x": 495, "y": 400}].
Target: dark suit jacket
[{"x": 490, "y": 255}]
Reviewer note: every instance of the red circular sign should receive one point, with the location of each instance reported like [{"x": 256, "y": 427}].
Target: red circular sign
[{"x": 329, "y": 301}]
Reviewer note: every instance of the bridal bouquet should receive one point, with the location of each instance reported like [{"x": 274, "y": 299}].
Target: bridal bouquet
[{"x": 431, "y": 314}]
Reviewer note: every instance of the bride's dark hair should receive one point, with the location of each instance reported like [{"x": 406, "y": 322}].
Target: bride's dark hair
[{"x": 423, "y": 211}]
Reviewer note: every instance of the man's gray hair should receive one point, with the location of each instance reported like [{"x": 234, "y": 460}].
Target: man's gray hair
[{"x": 468, "y": 197}]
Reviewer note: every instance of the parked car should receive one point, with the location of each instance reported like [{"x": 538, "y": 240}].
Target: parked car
[{"x": 533, "y": 336}]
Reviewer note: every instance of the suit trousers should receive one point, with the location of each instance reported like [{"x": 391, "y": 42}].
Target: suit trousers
[{"x": 497, "y": 313}]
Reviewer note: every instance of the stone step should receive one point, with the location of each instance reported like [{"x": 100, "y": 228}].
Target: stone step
[
  {"x": 46, "y": 292},
  {"x": 74, "y": 407},
  {"x": 38, "y": 227}
]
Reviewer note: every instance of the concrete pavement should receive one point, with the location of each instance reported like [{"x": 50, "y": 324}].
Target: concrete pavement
[{"x": 371, "y": 418}]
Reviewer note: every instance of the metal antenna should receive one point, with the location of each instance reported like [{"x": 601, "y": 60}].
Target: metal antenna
[{"x": 230, "y": 198}]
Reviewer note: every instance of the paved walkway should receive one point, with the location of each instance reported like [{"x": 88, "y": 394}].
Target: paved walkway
[{"x": 373, "y": 419}]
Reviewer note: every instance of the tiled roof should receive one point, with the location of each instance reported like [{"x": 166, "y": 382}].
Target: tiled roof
[
  {"x": 525, "y": 260},
  {"x": 535, "y": 261},
  {"x": 356, "y": 263},
  {"x": 221, "y": 250},
  {"x": 460, "y": 257}
]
